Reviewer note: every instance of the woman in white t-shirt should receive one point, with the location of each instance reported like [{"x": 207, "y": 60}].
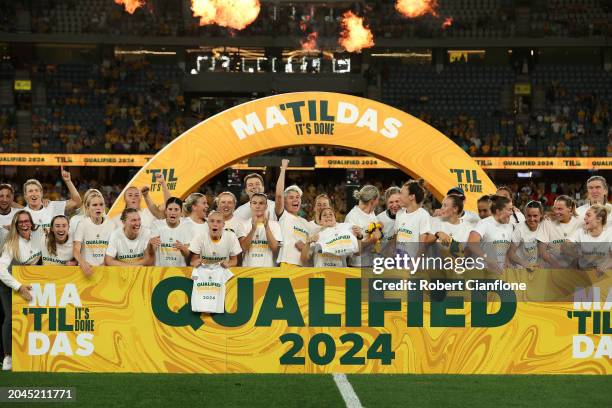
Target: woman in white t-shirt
[
  {"x": 295, "y": 229},
  {"x": 555, "y": 232},
  {"x": 450, "y": 230},
  {"x": 524, "y": 248},
  {"x": 593, "y": 244},
  {"x": 195, "y": 208},
  {"x": 215, "y": 244},
  {"x": 517, "y": 216},
  {"x": 363, "y": 216},
  {"x": 132, "y": 244},
  {"x": 22, "y": 247},
  {"x": 92, "y": 234},
  {"x": 33, "y": 194},
  {"x": 494, "y": 233},
  {"x": 387, "y": 220},
  {"x": 312, "y": 249},
  {"x": 412, "y": 222},
  {"x": 133, "y": 199},
  {"x": 57, "y": 248},
  {"x": 174, "y": 236},
  {"x": 320, "y": 202},
  {"x": 263, "y": 236},
  {"x": 226, "y": 205}
]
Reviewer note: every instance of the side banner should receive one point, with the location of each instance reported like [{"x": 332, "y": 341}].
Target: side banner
[{"x": 294, "y": 320}]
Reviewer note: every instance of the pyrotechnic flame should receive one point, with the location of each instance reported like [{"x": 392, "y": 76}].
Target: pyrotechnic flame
[
  {"x": 448, "y": 21},
  {"x": 416, "y": 8},
  {"x": 310, "y": 43},
  {"x": 130, "y": 5},
  {"x": 354, "y": 35},
  {"x": 236, "y": 14}
]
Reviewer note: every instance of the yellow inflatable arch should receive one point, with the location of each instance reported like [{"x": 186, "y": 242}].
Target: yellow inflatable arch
[{"x": 313, "y": 118}]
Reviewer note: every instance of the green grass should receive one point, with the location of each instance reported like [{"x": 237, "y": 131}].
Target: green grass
[{"x": 375, "y": 391}]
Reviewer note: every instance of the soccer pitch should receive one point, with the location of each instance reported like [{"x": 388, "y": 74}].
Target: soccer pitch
[{"x": 259, "y": 390}]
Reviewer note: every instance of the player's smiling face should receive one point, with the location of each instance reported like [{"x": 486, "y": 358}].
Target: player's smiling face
[
  {"x": 33, "y": 196},
  {"x": 591, "y": 220},
  {"x": 60, "y": 229},
  {"x": 226, "y": 205},
  {"x": 448, "y": 210},
  {"x": 328, "y": 218},
  {"x": 561, "y": 211},
  {"x": 173, "y": 213},
  {"x": 533, "y": 216},
  {"x": 293, "y": 202},
  {"x": 132, "y": 223},
  {"x": 259, "y": 205},
  {"x": 6, "y": 199},
  {"x": 215, "y": 225},
  {"x": 253, "y": 185},
  {"x": 393, "y": 203}
]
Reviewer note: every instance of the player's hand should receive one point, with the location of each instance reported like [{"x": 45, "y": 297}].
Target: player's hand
[
  {"x": 145, "y": 191},
  {"x": 284, "y": 164},
  {"x": 24, "y": 291},
  {"x": 65, "y": 175},
  {"x": 299, "y": 245},
  {"x": 437, "y": 213},
  {"x": 180, "y": 246},
  {"x": 155, "y": 242},
  {"x": 444, "y": 238},
  {"x": 45, "y": 202},
  {"x": 87, "y": 269},
  {"x": 356, "y": 230},
  {"x": 159, "y": 177},
  {"x": 72, "y": 263},
  {"x": 224, "y": 264}
]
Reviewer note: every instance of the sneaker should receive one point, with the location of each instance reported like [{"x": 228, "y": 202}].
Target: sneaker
[{"x": 7, "y": 364}]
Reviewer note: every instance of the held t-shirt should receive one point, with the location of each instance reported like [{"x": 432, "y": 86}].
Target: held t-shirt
[
  {"x": 94, "y": 239},
  {"x": 208, "y": 293},
  {"x": 338, "y": 240}
]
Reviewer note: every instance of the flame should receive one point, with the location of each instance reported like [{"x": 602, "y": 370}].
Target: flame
[
  {"x": 448, "y": 21},
  {"x": 236, "y": 14},
  {"x": 310, "y": 44},
  {"x": 416, "y": 8},
  {"x": 354, "y": 35},
  {"x": 130, "y": 5}
]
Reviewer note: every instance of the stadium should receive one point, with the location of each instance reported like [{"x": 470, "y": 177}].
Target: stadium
[{"x": 305, "y": 203}]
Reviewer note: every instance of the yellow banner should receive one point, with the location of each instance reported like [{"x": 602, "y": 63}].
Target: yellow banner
[
  {"x": 23, "y": 85},
  {"x": 113, "y": 160},
  {"x": 545, "y": 163},
  {"x": 290, "y": 320}
]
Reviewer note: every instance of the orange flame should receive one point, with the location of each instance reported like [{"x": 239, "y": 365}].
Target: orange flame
[
  {"x": 354, "y": 35},
  {"x": 130, "y": 5},
  {"x": 310, "y": 44},
  {"x": 236, "y": 14},
  {"x": 416, "y": 8},
  {"x": 448, "y": 21}
]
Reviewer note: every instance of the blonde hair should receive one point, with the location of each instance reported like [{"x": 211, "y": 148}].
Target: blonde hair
[
  {"x": 12, "y": 240},
  {"x": 32, "y": 182},
  {"x": 190, "y": 201},
  {"x": 229, "y": 193},
  {"x": 366, "y": 194},
  {"x": 88, "y": 197}
]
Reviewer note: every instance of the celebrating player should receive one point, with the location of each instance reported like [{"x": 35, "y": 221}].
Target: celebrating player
[
  {"x": 484, "y": 207},
  {"x": 363, "y": 216},
  {"x": 215, "y": 244},
  {"x": 22, "y": 247},
  {"x": 254, "y": 183},
  {"x": 174, "y": 236},
  {"x": 263, "y": 239},
  {"x": 553, "y": 233},
  {"x": 92, "y": 234},
  {"x": 57, "y": 249},
  {"x": 387, "y": 219},
  {"x": 412, "y": 223},
  {"x": 133, "y": 200},
  {"x": 196, "y": 208},
  {"x": 452, "y": 233},
  {"x": 7, "y": 211},
  {"x": 226, "y": 205},
  {"x": 320, "y": 202},
  {"x": 524, "y": 248},
  {"x": 33, "y": 193},
  {"x": 132, "y": 244},
  {"x": 517, "y": 215},
  {"x": 594, "y": 242}
]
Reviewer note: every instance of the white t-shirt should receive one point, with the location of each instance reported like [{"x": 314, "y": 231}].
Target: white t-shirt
[
  {"x": 208, "y": 293},
  {"x": 459, "y": 234},
  {"x": 408, "y": 230},
  {"x": 215, "y": 251},
  {"x": 3, "y": 235},
  {"x": 595, "y": 250},
  {"x": 29, "y": 254},
  {"x": 338, "y": 240},
  {"x": 244, "y": 211},
  {"x": 555, "y": 234},
  {"x": 8, "y": 218},
  {"x": 259, "y": 253},
  {"x": 470, "y": 218},
  {"x": 526, "y": 241},
  {"x": 357, "y": 217},
  {"x": 167, "y": 254},
  {"x": 496, "y": 238},
  {"x": 195, "y": 229},
  {"x": 44, "y": 216},
  {"x": 517, "y": 217},
  {"x": 583, "y": 209},
  {"x": 388, "y": 229},
  {"x": 146, "y": 219},
  {"x": 74, "y": 223},
  {"x": 128, "y": 250},
  {"x": 293, "y": 229},
  {"x": 63, "y": 253},
  {"x": 236, "y": 225},
  {"x": 94, "y": 239}
]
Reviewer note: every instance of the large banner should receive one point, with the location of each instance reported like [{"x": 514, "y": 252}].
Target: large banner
[{"x": 297, "y": 320}]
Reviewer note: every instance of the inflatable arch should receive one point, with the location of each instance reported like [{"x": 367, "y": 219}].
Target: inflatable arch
[{"x": 313, "y": 118}]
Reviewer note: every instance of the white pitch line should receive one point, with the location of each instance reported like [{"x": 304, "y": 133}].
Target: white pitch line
[{"x": 346, "y": 390}]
